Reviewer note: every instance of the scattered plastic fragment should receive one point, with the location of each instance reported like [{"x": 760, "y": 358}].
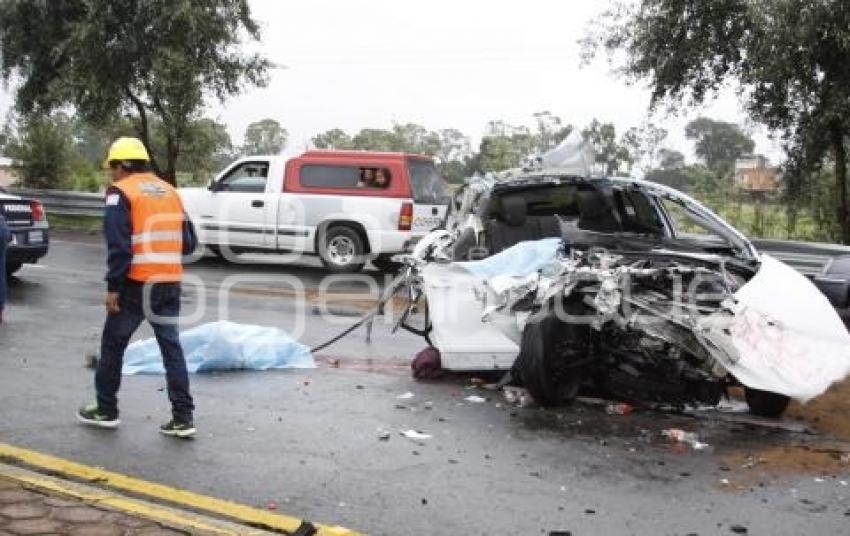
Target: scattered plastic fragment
[
  {"x": 518, "y": 396},
  {"x": 738, "y": 529},
  {"x": 475, "y": 399},
  {"x": 384, "y": 436},
  {"x": 680, "y": 436},
  {"x": 405, "y": 396},
  {"x": 618, "y": 409},
  {"x": 271, "y": 505},
  {"x": 415, "y": 434}
]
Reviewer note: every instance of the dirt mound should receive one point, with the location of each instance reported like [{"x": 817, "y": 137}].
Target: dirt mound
[
  {"x": 781, "y": 459},
  {"x": 829, "y": 413}
]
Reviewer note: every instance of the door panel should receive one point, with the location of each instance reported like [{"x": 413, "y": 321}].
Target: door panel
[{"x": 240, "y": 212}]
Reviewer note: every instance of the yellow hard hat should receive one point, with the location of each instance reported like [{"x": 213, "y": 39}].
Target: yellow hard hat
[{"x": 127, "y": 148}]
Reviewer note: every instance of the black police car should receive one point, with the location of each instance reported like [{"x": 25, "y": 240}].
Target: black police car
[{"x": 28, "y": 225}]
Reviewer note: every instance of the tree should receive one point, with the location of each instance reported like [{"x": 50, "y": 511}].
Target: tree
[
  {"x": 332, "y": 139},
  {"x": 106, "y": 58},
  {"x": 498, "y": 153},
  {"x": 454, "y": 145},
  {"x": 374, "y": 139},
  {"x": 671, "y": 159},
  {"x": 551, "y": 130},
  {"x": 790, "y": 58},
  {"x": 643, "y": 143},
  {"x": 611, "y": 155},
  {"x": 43, "y": 147},
  {"x": 718, "y": 143},
  {"x": 264, "y": 137},
  {"x": 413, "y": 138},
  {"x": 207, "y": 148}
]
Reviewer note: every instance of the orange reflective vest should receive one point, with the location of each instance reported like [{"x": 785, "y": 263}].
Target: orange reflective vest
[{"x": 156, "y": 216}]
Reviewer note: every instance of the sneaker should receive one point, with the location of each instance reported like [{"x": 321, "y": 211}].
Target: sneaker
[
  {"x": 92, "y": 416},
  {"x": 178, "y": 428}
]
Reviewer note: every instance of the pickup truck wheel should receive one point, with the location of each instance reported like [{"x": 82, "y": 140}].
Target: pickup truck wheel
[
  {"x": 13, "y": 267},
  {"x": 342, "y": 250},
  {"x": 765, "y": 403},
  {"x": 546, "y": 363}
]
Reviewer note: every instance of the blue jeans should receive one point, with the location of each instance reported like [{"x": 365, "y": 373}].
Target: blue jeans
[
  {"x": 164, "y": 302},
  {"x": 4, "y": 243}
]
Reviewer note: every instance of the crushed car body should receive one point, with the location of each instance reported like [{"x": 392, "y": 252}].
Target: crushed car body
[{"x": 636, "y": 288}]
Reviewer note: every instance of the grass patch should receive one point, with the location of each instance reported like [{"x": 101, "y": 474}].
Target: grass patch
[{"x": 66, "y": 222}]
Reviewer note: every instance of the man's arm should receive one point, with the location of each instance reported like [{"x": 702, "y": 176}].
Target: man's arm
[{"x": 118, "y": 231}]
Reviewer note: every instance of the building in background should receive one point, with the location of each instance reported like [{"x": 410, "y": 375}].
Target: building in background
[
  {"x": 8, "y": 174},
  {"x": 754, "y": 174}
]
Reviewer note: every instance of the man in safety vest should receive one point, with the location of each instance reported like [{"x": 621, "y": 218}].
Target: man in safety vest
[{"x": 147, "y": 233}]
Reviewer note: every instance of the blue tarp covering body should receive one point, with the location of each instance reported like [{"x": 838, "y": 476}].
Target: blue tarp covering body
[
  {"x": 520, "y": 260},
  {"x": 224, "y": 346}
]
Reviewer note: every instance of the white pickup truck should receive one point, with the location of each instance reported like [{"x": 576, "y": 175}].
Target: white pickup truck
[{"x": 345, "y": 206}]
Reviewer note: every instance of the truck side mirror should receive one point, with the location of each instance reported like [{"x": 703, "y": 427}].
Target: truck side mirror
[{"x": 213, "y": 186}]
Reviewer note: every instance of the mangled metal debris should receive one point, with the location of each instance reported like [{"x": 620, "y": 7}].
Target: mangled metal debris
[{"x": 628, "y": 285}]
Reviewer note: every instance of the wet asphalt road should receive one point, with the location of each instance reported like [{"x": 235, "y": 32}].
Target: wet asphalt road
[{"x": 309, "y": 439}]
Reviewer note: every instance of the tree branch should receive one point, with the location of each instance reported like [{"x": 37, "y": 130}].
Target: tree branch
[{"x": 144, "y": 130}]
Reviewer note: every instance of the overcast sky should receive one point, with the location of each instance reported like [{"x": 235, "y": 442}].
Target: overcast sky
[{"x": 352, "y": 64}]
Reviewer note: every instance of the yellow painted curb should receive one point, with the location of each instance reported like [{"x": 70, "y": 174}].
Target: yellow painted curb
[
  {"x": 169, "y": 517},
  {"x": 246, "y": 514}
]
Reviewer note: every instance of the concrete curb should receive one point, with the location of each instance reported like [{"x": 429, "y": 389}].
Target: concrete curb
[{"x": 246, "y": 519}]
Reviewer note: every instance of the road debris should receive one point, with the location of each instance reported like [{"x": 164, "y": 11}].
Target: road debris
[
  {"x": 475, "y": 399},
  {"x": 680, "y": 436},
  {"x": 415, "y": 434},
  {"x": 518, "y": 396},
  {"x": 618, "y": 409},
  {"x": 405, "y": 396}
]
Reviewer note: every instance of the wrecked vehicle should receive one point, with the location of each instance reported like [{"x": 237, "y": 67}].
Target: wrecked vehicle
[{"x": 629, "y": 286}]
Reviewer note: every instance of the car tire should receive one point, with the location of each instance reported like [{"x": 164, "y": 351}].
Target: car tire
[
  {"x": 384, "y": 263},
  {"x": 766, "y": 403},
  {"x": 13, "y": 267},
  {"x": 547, "y": 350},
  {"x": 342, "y": 250}
]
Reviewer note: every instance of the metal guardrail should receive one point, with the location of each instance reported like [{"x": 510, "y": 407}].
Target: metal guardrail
[
  {"x": 807, "y": 257},
  {"x": 64, "y": 203}
]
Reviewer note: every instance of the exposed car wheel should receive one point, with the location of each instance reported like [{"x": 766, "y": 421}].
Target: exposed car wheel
[
  {"x": 384, "y": 263},
  {"x": 13, "y": 267},
  {"x": 342, "y": 250},
  {"x": 547, "y": 361},
  {"x": 765, "y": 403}
]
